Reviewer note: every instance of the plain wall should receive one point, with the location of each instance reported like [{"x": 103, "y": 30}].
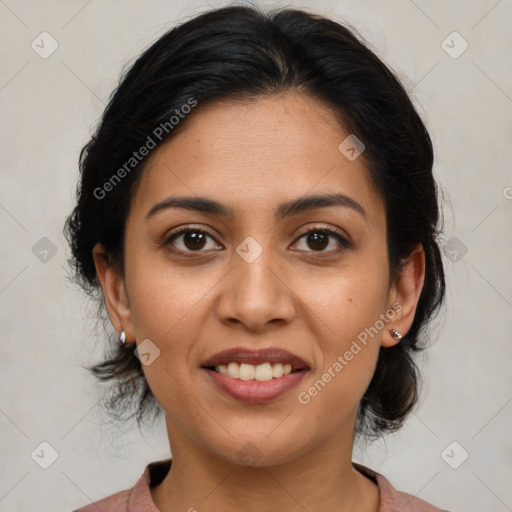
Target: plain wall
[{"x": 48, "y": 109}]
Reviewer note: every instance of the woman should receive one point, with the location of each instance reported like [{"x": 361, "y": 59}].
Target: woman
[{"x": 258, "y": 212}]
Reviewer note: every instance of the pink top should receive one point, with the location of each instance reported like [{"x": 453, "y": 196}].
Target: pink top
[{"x": 138, "y": 498}]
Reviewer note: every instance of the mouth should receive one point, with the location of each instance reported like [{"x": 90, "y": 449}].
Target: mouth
[
  {"x": 248, "y": 364},
  {"x": 255, "y": 376}
]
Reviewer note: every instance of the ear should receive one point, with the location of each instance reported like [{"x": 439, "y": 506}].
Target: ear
[
  {"x": 405, "y": 294},
  {"x": 114, "y": 291}
]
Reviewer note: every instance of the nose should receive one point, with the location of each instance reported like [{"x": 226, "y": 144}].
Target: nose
[{"x": 256, "y": 294}]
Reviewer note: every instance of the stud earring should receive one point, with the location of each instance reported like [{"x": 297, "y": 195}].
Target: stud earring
[
  {"x": 396, "y": 335},
  {"x": 122, "y": 337}
]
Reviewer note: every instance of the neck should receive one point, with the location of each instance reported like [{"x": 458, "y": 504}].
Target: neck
[{"x": 320, "y": 480}]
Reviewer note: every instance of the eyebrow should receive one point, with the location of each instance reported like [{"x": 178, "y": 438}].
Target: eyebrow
[{"x": 286, "y": 209}]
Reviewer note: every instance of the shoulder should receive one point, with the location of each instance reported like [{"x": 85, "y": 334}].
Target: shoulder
[
  {"x": 392, "y": 500},
  {"x": 117, "y": 502},
  {"x": 398, "y": 500},
  {"x": 136, "y": 498}
]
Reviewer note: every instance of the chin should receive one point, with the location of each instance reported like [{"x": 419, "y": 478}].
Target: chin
[{"x": 258, "y": 449}]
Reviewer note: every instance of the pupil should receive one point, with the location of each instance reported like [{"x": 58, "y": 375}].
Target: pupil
[
  {"x": 319, "y": 236},
  {"x": 196, "y": 240}
]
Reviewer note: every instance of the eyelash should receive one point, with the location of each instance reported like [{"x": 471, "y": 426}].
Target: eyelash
[{"x": 345, "y": 244}]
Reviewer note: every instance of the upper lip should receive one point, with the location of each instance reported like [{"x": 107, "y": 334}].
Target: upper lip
[{"x": 250, "y": 356}]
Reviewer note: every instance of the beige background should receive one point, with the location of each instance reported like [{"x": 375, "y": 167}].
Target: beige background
[{"x": 48, "y": 108}]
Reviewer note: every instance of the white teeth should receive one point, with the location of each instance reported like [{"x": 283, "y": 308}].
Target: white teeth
[
  {"x": 247, "y": 372},
  {"x": 261, "y": 372},
  {"x": 277, "y": 370},
  {"x": 233, "y": 370}
]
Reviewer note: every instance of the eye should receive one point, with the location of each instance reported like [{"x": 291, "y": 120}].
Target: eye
[
  {"x": 318, "y": 238},
  {"x": 191, "y": 239},
  {"x": 195, "y": 239}
]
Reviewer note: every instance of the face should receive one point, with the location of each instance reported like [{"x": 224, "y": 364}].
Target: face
[{"x": 310, "y": 279}]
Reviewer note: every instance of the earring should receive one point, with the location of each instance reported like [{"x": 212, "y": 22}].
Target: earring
[
  {"x": 122, "y": 337},
  {"x": 396, "y": 335}
]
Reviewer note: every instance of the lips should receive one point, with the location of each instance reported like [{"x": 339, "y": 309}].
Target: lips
[{"x": 255, "y": 357}]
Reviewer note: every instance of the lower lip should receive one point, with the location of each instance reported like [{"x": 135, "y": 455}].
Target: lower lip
[{"x": 255, "y": 391}]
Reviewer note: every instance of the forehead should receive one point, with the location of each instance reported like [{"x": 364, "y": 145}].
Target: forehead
[{"x": 252, "y": 155}]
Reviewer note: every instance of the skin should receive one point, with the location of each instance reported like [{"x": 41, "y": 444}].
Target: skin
[{"x": 310, "y": 299}]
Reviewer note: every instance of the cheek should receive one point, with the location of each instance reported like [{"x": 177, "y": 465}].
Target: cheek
[
  {"x": 347, "y": 353},
  {"x": 172, "y": 306},
  {"x": 165, "y": 299},
  {"x": 349, "y": 319},
  {"x": 349, "y": 300},
  {"x": 169, "y": 309}
]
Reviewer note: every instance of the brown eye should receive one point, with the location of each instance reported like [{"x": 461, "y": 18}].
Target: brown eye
[
  {"x": 318, "y": 239},
  {"x": 191, "y": 240},
  {"x": 194, "y": 240}
]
